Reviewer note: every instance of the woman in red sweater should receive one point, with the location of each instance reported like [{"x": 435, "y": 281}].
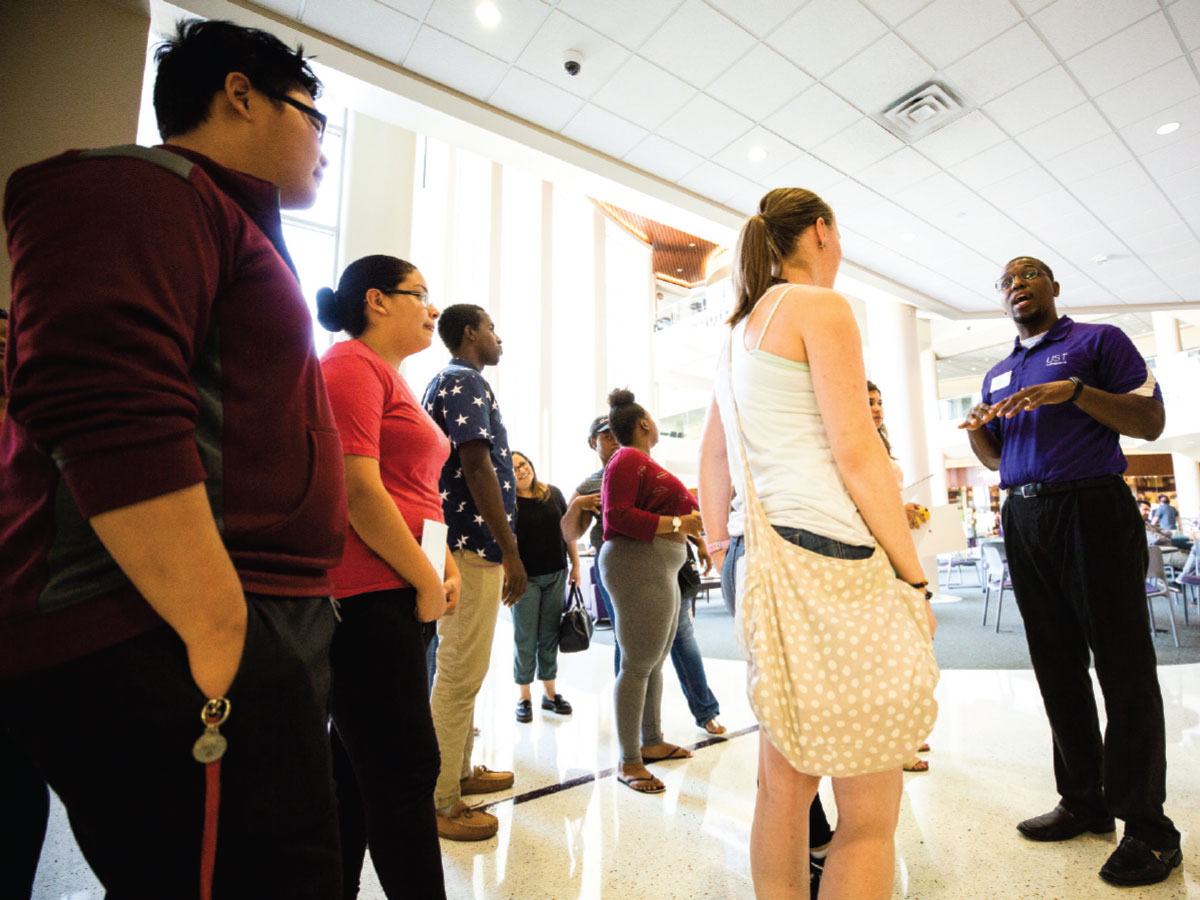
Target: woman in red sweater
[
  {"x": 648, "y": 516},
  {"x": 389, "y": 591}
]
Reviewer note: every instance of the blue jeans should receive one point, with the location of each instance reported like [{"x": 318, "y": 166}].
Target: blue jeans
[{"x": 689, "y": 665}]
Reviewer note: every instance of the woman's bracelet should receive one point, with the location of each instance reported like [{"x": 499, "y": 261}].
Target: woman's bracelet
[
  {"x": 718, "y": 545},
  {"x": 921, "y": 586}
]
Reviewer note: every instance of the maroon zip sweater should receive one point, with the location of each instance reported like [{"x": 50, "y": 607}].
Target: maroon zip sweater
[{"x": 158, "y": 339}]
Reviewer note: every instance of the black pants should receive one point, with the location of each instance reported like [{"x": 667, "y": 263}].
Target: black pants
[
  {"x": 387, "y": 763},
  {"x": 24, "y": 811},
  {"x": 113, "y": 732},
  {"x": 1077, "y": 561},
  {"x": 819, "y": 831}
]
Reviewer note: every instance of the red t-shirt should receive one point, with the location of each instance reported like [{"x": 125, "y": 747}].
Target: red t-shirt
[
  {"x": 636, "y": 491},
  {"x": 378, "y": 416}
]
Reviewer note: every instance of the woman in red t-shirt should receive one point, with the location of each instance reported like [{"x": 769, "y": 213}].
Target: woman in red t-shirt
[
  {"x": 385, "y": 749},
  {"x": 648, "y": 517}
]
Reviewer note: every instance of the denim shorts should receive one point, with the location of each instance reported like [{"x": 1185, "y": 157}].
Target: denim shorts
[{"x": 817, "y": 543}]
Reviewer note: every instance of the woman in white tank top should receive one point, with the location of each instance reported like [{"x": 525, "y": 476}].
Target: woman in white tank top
[{"x": 794, "y": 366}]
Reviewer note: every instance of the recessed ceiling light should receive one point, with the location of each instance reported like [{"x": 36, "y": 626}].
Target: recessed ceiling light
[
  {"x": 908, "y": 236},
  {"x": 756, "y": 154},
  {"x": 1167, "y": 128},
  {"x": 691, "y": 243},
  {"x": 679, "y": 270},
  {"x": 1100, "y": 259},
  {"x": 488, "y": 13}
]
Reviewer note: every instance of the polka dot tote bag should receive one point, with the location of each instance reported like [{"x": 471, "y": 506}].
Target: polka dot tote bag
[{"x": 841, "y": 668}]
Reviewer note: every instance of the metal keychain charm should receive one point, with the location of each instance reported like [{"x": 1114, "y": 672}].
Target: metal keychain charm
[{"x": 211, "y": 745}]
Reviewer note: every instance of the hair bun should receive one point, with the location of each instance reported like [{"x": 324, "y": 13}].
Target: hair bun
[
  {"x": 620, "y": 397},
  {"x": 327, "y": 310}
]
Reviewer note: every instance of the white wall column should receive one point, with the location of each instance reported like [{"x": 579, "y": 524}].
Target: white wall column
[
  {"x": 546, "y": 382},
  {"x": 938, "y": 486},
  {"x": 600, "y": 304},
  {"x": 377, "y": 197},
  {"x": 1187, "y": 472}
]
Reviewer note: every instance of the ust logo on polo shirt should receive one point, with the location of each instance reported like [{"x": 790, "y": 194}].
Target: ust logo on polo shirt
[{"x": 1056, "y": 359}]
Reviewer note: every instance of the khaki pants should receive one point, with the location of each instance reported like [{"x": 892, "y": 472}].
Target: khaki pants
[{"x": 464, "y": 651}]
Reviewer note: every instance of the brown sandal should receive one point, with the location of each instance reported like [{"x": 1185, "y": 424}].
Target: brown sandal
[{"x": 916, "y": 764}]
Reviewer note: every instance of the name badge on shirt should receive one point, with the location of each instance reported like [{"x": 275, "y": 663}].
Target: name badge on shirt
[{"x": 1001, "y": 381}]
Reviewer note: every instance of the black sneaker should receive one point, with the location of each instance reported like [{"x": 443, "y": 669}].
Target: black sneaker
[
  {"x": 558, "y": 705},
  {"x": 1135, "y": 862},
  {"x": 524, "y": 711}
]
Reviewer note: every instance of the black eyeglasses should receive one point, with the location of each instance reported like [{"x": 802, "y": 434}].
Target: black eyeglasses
[
  {"x": 319, "y": 119},
  {"x": 423, "y": 296},
  {"x": 1004, "y": 282}
]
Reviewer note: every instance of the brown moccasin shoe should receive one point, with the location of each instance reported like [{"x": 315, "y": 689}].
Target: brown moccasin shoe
[
  {"x": 462, "y": 823},
  {"x": 484, "y": 781}
]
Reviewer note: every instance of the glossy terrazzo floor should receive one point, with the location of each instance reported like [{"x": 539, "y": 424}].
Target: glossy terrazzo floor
[{"x": 598, "y": 839}]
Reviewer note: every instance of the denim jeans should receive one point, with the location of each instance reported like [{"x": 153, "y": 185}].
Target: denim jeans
[{"x": 689, "y": 665}]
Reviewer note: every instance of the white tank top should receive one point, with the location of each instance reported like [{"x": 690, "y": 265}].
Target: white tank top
[{"x": 787, "y": 446}]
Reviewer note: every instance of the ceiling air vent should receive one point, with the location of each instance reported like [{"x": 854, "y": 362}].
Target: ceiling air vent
[{"x": 921, "y": 111}]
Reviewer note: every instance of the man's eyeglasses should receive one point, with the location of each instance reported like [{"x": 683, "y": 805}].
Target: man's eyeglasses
[
  {"x": 319, "y": 119},
  {"x": 1005, "y": 281},
  {"x": 423, "y": 296}
]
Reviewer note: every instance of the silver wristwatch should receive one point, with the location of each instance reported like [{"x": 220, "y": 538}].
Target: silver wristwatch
[{"x": 675, "y": 523}]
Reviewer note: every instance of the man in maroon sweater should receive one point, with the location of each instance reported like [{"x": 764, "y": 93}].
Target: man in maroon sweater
[{"x": 171, "y": 492}]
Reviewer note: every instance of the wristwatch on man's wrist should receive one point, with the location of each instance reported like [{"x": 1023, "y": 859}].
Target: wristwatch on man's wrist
[
  {"x": 1078, "y": 382},
  {"x": 676, "y": 522}
]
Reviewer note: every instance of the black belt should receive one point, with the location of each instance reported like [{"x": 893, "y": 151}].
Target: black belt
[{"x": 1041, "y": 488}]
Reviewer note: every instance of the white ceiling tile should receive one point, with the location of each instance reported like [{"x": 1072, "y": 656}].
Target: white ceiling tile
[
  {"x": 662, "y": 158},
  {"x": 1031, "y": 6},
  {"x": 415, "y": 8},
  {"x": 814, "y": 116},
  {"x": 1009, "y": 193},
  {"x": 1186, "y": 16},
  {"x": 628, "y": 22},
  {"x": 1104, "y": 153},
  {"x": 779, "y": 153},
  {"x": 704, "y": 126},
  {"x": 746, "y": 202},
  {"x": 364, "y": 23},
  {"x": 1000, "y": 65},
  {"x": 1075, "y": 25},
  {"x": 1174, "y": 158},
  {"x": 878, "y": 75},
  {"x": 543, "y": 56},
  {"x": 826, "y": 33},
  {"x": 894, "y": 11},
  {"x": 1036, "y": 101},
  {"x": 1158, "y": 89},
  {"x": 759, "y": 17},
  {"x": 934, "y": 197},
  {"x": 759, "y": 83},
  {"x": 520, "y": 21},
  {"x": 1065, "y": 132},
  {"x": 697, "y": 43},
  {"x": 946, "y": 30},
  {"x": 1126, "y": 55},
  {"x": 1179, "y": 184},
  {"x": 809, "y": 173},
  {"x": 859, "y": 146},
  {"x": 535, "y": 100},
  {"x": 599, "y": 128},
  {"x": 995, "y": 164},
  {"x": 1102, "y": 191},
  {"x": 643, "y": 93},
  {"x": 716, "y": 183},
  {"x": 960, "y": 140},
  {"x": 901, "y": 170},
  {"x": 457, "y": 65},
  {"x": 1143, "y": 136}
]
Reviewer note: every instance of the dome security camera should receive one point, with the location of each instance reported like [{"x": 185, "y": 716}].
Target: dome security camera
[{"x": 573, "y": 61}]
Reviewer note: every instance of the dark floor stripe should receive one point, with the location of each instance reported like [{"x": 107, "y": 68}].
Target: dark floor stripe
[{"x": 607, "y": 773}]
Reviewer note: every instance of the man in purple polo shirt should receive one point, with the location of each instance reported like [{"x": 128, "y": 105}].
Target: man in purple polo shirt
[{"x": 1051, "y": 419}]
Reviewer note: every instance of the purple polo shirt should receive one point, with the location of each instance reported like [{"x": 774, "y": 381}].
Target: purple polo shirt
[{"x": 1062, "y": 442}]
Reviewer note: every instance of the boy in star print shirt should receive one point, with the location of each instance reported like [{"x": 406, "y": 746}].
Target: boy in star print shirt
[{"x": 479, "y": 498}]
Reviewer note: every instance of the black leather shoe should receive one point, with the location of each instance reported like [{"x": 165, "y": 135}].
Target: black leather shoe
[
  {"x": 1061, "y": 825},
  {"x": 524, "y": 711},
  {"x": 1135, "y": 862},
  {"x": 558, "y": 705}
]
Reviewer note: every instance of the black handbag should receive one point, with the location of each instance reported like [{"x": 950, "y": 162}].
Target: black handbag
[
  {"x": 689, "y": 576},
  {"x": 575, "y": 629}
]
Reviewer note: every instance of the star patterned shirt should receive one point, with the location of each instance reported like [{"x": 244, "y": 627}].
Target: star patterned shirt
[{"x": 461, "y": 402}]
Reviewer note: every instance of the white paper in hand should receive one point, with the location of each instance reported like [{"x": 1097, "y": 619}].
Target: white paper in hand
[
  {"x": 943, "y": 533},
  {"x": 433, "y": 545}
]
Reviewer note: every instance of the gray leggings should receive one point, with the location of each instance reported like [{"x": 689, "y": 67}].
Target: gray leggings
[{"x": 642, "y": 580}]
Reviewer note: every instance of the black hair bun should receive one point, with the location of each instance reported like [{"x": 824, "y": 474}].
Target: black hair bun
[
  {"x": 327, "y": 310},
  {"x": 620, "y": 397}
]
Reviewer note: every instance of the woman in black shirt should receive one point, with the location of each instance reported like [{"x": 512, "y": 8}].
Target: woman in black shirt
[{"x": 536, "y": 616}]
